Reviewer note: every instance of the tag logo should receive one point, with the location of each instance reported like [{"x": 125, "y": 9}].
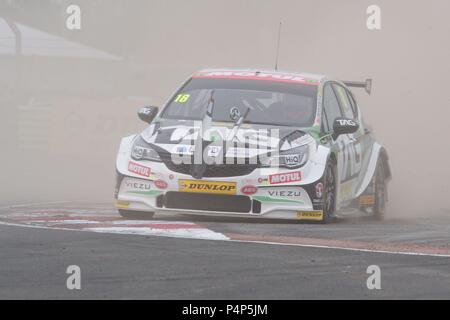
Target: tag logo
[{"x": 346, "y": 122}]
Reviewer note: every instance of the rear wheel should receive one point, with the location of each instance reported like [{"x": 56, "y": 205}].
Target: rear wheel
[
  {"x": 379, "y": 207},
  {"x": 329, "y": 197},
  {"x": 139, "y": 215}
]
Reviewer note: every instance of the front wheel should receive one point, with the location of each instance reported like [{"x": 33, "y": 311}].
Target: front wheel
[
  {"x": 329, "y": 196},
  {"x": 138, "y": 215}
]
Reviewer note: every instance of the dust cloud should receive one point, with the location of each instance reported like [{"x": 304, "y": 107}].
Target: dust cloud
[{"x": 66, "y": 101}]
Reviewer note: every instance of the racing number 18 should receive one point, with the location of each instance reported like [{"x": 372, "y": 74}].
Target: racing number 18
[{"x": 182, "y": 98}]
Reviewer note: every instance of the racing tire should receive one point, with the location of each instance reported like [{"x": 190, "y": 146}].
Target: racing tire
[
  {"x": 136, "y": 215},
  {"x": 380, "y": 186},
  {"x": 329, "y": 196}
]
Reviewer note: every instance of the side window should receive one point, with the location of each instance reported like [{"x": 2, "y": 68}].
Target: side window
[
  {"x": 330, "y": 106},
  {"x": 325, "y": 127},
  {"x": 353, "y": 103},
  {"x": 344, "y": 101}
]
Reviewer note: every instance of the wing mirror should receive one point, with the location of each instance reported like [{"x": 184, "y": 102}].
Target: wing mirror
[
  {"x": 147, "y": 114},
  {"x": 344, "y": 126}
]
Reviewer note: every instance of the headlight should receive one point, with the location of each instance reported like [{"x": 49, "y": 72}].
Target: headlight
[
  {"x": 292, "y": 158},
  {"x": 142, "y": 151}
]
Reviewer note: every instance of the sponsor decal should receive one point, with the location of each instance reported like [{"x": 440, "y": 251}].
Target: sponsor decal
[
  {"x": 160, "y": 184},
  {"x": 249, "y": 190},
  {"x": 150, "y": 193},
  {"x": 284, "y": 193},
  {"x": 293, "y": 159},
  {"x": 277, "y": 200},
  {"x": 346, "y": 122},
  {"x": 138, "y": 169},
  {"x": 207, "y": 186},
  {"x": 184, "y": 149},
  {"x": 319, "y": 190},
  {"x": 182, "y": 97},
  {"x": 263, "y": 180},
  {"x": 310, "y": 215},
  {"x": 367, "y": 200},
  {"x": 122, "y": 204},
  {"x": 249, "y": 75},
  {"x": 350, "y": 159},
  {"x": 285, "y": 177},
  {"x": 138, "y": 185},
  {"x": 281, "y": 195},
  {"x": 214, "y": 151}
]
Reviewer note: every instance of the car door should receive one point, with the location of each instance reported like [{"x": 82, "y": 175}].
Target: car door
[
  {"x": 331, "y": 111},
  {"x": 351, "y": 145},
  {"x": 363, "y": 136}
]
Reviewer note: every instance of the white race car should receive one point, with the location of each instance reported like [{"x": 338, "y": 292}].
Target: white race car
[{"x": 253, "y": 143}]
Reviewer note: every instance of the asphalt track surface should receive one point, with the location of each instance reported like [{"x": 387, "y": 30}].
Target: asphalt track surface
[{"x": 189, "y": 257}]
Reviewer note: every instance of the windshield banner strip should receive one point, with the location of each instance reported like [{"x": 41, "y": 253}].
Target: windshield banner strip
[{"x": 266, "y": 77}]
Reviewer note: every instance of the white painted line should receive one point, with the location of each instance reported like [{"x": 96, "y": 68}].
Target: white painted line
[
  {"x": 342, "y": 248},
  {"x": 226, "y": 239},
  {"x": 74, "y": 222},
  {"x": 150, "y": 222},
  {"x": 203, "y": 234},
  {"x": 33, "y": 204},
  {"x": 35, "y": 226},
  {"x": 197, "y": 234}
]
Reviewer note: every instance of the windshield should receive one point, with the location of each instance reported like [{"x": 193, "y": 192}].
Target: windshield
[{"x": 272, "y": 103}]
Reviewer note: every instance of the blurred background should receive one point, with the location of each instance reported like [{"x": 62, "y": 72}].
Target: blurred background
[{"x": 68, "y": 96}]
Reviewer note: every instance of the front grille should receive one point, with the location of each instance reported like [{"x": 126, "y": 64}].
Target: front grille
[
  {"x": 207, "y": 202},
  {"x": 216, "y": 170}
]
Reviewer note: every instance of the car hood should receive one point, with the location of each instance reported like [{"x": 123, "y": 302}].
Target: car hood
[{"x": 179, "y": 136}]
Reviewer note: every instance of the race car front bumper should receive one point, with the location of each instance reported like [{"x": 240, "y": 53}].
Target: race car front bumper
[{"x": 264, "y": 193}]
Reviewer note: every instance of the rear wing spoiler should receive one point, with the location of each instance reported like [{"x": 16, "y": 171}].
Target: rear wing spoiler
[{"x": 367, "y": 85}]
